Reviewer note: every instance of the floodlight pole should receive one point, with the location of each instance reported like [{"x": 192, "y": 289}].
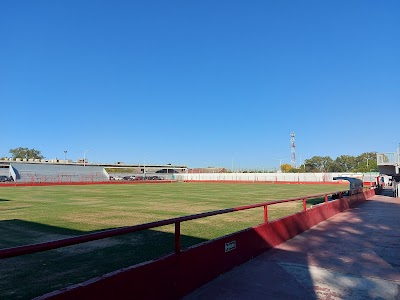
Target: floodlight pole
[
  {"x": 84, "y": 157},
  {"x": 300, "y": 161},
  {"x": 280, "y": 163},
  {"x": 65, "y": 156}
]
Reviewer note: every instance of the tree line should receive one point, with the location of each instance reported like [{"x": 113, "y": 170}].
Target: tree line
[
  {"x": 364, "y": 163},
  {"x": 27, "y": 153}
]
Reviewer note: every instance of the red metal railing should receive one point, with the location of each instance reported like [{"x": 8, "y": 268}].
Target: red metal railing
[{"x": 35, "y": 248}]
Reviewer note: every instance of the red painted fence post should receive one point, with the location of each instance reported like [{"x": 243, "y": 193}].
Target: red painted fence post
[
  {"x": 340, "y": 195},
  {"x": 177, "y": 237},
  {"x": 326, "y": 198},
  {"x": 304, "y": 204},
  {"x": 265, "y": 213}
]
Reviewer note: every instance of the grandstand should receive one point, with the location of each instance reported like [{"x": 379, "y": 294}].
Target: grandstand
[{"x": 56, "y": 173}]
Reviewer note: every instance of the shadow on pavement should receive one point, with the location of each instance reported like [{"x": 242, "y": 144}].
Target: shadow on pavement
[{"x": 353, "y": 255}]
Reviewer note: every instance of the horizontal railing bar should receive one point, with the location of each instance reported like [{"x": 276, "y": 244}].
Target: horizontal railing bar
[{"x": 35, "y": 248}]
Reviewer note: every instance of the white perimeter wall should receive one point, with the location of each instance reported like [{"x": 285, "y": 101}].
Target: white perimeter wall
[{"x": 274, "y": 177}]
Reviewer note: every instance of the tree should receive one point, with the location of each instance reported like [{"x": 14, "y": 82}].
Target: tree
[
  {"x": 285, "y": 168},
  {"x": 296, "y": 170},
  {"x": 336, "y": 167},
  {"x": 347, "y": 163},
  {"x": 21, "y": 152},
  {"x": 366, "y": 162},
  {"x": 318, "y": 164}
]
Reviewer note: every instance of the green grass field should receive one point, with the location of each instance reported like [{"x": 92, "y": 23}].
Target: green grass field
[{"x": 38, "y": 214}]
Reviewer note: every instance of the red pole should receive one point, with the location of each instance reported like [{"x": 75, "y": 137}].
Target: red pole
[
  {"x": 304, "y": 204},
  {"x": 177, "y": 237},
  {"x": 340, "y": 195},
  {"x": 265, "y": 213},
  {"x": 326, "y": 198}
]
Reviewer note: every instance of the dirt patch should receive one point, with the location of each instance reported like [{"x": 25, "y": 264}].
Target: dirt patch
[{"x": 90, "y": 246}]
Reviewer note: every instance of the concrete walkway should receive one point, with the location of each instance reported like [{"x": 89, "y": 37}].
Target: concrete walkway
[{"x": 353, "y": 255}]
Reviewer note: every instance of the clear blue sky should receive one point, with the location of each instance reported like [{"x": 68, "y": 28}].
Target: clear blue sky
[{"x": 201, "y": 83}]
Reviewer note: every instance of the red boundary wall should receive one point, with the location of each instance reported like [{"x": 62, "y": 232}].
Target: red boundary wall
[
  {"x": 270, "y": 182},
  {"x": 175, "y": 275},
  {"x": 340, "y": 182},
  {"x": 169, "y": 181},
  {"x": 83, "y": 183}
]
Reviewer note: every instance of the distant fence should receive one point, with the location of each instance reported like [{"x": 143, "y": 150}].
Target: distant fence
[
  {"x": 275, "y": 177},
  {"x": 32, "y": 177}
]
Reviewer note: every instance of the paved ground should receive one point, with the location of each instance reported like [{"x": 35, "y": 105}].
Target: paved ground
[{"x": 354, "y": 255}]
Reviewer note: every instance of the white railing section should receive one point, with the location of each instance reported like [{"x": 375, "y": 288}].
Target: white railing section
[
  {"x": 274, "y": 177},
  {"x": 388, "y": 158}
]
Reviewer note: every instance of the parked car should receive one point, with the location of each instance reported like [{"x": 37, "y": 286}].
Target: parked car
[
  {"x": 4, "y": 178},
  {"x": 118, "y": 178},
  {"x": 156, "y": 178},
  {"x": 167, "y": 171}
]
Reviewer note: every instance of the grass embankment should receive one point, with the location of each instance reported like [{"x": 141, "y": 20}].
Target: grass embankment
[
  {"x": 122, "y": 170},
  {"x": 38, "y": 214}
]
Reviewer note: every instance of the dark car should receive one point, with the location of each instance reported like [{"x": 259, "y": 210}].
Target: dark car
[
  {"x": 169, "y": 171},
  {"x": 4, "y": 178}
]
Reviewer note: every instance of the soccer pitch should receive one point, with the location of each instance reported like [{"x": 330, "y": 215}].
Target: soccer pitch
[{"x": 32, "y": 215}]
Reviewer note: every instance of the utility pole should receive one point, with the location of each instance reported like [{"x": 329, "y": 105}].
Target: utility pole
[{"x": 293, "y": 150}]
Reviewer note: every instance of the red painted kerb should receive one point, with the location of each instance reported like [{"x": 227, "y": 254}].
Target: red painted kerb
[{"x": 179, "y": 273}]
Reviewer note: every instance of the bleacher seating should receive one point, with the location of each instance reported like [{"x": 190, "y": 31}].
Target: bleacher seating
[
  {"x": 25, "y": 172},
  {"x": 4, "y": 171}
]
